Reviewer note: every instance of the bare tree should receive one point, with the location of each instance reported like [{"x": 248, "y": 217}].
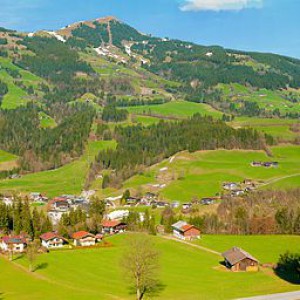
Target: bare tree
[
  {"x": 31, "y": 253},
  {"x": 140, "y": 263}
]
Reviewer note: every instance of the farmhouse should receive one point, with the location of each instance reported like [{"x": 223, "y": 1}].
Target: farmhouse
[
  {"x": 13, "y": 243},
  {"x": 52, "y": 240},
  {"x": 84, "y": 239},
  {"x": 231, "y": 186},
  {"x": 113, "y": 226},
  {"x": 236, "y": 259},
  {"x": 185, "y": 231}
]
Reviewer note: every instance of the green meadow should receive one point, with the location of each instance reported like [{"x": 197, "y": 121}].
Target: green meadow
[
  {"x": 266, "y": 248},
  {"x": 16, "y": 96},
  {"x": 6, "y": 157},
  {"x": 177, "y": 109},
  {"x": 185, "y": 272},
  {"x": 67, "y": 179}
]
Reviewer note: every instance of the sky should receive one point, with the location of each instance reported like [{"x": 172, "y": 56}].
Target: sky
[{"x": 258, "y": 25}]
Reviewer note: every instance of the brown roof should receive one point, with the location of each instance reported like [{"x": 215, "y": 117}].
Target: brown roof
[
  {"x": 110, "y": 223},
  {"x": 81, "y": 235},
  {"x": 50, "y": 236},
  {"x": 187, "y": 227},
  {"x": 235, "y": 255}
]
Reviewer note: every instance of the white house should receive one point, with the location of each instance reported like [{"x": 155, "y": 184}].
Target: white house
[
  {"x": 13, "y": 243},
  {"x": 52, "y": 240},
  {"x": 84, "y": 239}
]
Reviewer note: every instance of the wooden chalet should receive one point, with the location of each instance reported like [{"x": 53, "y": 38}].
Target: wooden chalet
[
  {"x": 236, "y": 259},
  {"x": 84, "y": 239}
]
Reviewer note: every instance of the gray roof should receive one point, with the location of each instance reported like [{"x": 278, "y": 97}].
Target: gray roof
[
  {"x": 178, "y": 225},
  {"x": 235, "y": 255}
]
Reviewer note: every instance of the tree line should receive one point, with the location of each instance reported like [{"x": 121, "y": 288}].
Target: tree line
[
  {"x": 260, "y": 212},
  {"x": 19, "y": 218},
  {"x": 141, "y": 146}
]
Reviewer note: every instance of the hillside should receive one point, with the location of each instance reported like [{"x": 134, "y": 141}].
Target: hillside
[{"x": 109, "y": 72}]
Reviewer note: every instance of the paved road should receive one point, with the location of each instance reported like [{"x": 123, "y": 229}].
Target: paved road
[{"x": 283, "y": 296}]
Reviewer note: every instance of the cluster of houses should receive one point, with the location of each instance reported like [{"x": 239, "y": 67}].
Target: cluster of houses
[
  {"x": 268, "y": 164},
  {"x": 237, "y": 189},
  {"x": 63, "y": 204},
  {"x": 53, "y": 240}
]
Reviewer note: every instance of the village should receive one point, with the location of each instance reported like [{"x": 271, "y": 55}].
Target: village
[{"x": 117, "y": 211}]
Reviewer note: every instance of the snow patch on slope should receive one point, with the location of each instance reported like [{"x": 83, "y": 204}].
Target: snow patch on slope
[{"x": 57, "y": 36}]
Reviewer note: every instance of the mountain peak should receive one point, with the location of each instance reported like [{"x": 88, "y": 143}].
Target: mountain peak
[{"x": 107, "y": 19}]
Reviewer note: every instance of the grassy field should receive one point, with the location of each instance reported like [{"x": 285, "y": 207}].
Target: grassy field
[
  {"x": 179, "y": 109},
  {"x": 46, "y": 121},
  {"x": 185, "y": 272},
  {"x": 266, "y": 248},
  {"x": 7, "y": 160},
  {"x": 16, "y": 96},
  {"x": 6, "y": 157},
  {"x": 279, "y": 128},
  {"x": 67, "y": 179},
  {"x": 201, "y": 174}
]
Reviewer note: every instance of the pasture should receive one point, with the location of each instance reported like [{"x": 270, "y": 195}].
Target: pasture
[
  {"x": 176, "y": 109},
  {"x": 201, "y": 174},
  {"x": 95, "y": 274}
]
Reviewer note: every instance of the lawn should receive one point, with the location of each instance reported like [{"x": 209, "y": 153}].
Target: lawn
[
  {"x": 185, "y": 273},
  {"x": 68, "y": 179}
]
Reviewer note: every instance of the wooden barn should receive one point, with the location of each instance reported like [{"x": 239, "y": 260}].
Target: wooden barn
[{"x": 236, "y": 259}]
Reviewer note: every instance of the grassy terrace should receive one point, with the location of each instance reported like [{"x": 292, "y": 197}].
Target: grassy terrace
[
  {"x": 7, "y": 160},
  {"x": 178, "y": 109},
  {"x": 16, "y": 96},
  {"x": 67, "y": 179},
  {"x": 95, "y": 273}
]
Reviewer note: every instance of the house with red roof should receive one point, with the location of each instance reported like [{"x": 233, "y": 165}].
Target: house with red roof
[
  {"x": 113, "y": 226},
  {"x": 52, "y": 240},
  {"x": 184, "y": 231},
  {"x": 13, "y": 243},
  {"x": 83, "y": 239}
]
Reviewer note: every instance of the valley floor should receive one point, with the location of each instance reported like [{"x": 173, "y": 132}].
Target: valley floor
[{"x": 185, "y": 272}]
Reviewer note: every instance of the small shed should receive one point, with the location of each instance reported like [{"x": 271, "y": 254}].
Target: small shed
[{"x": 237, "y": 259}]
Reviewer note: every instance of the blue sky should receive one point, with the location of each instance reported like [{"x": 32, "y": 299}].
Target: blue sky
[{"x": 261, "y": 25}]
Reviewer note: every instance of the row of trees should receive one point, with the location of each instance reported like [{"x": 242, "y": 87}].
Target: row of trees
[
  {"x": 111, "y": 113},
  {"x": 262, "y": 212},
  {"x": 19, "y": 218}
]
